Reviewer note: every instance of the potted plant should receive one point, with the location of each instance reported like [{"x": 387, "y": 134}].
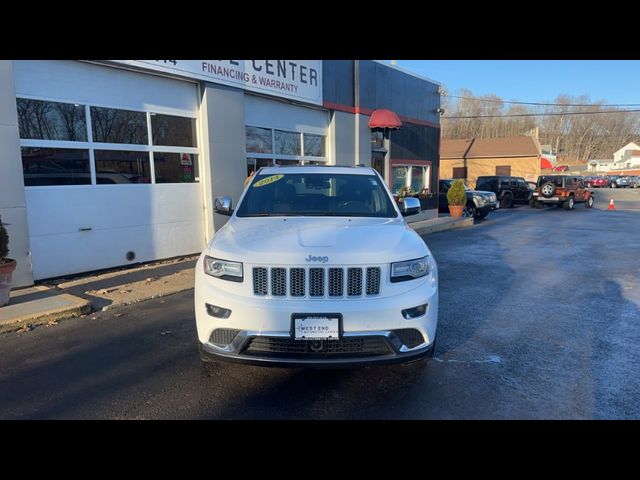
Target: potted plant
[
  {"x": 402, "y": 193},
  {"x": 457, "y": 198},
  {"x": 426, "y": 197},
  {"x": 7, "y": 266}
]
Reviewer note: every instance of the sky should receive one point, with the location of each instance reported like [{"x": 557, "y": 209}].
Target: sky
[{"x": 614, "y": 81}]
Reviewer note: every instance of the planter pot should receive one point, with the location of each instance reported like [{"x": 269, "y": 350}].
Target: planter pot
[
  {"x": 6, "y": 270},
  {"x": 456, "y": 210}
]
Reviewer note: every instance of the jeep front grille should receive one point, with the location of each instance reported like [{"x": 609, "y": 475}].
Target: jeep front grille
[{"x": 316, "y": 282}]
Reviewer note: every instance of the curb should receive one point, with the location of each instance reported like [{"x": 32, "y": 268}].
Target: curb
[
  {"x": 82, "y": 307},
  {"x": 427, "y": 227}
]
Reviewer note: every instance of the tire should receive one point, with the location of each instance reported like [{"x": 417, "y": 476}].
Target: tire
[
  {"x": 589, "y": 202},
  {"x": 569, "y": 204},
  {"x": 470, "y": 210},
  {"x": 507, "y": 201},
  {"x": 483, "y": 215},
  {"x": 548, "y": 189},
  {"x": 614, "y": 185}
]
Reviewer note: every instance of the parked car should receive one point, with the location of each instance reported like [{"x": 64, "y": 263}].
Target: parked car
[
  {"x": 561, "y": 190},
  {"x": 636, "y": 181},
  {"x": 611, "y": 179},
  {"x": 509, "y": 190},
  {"x": 596, "y": 182},
  {"x": 625, "y": 182},
  {"x": 479, "y": 203},
  {"x": 316, "y": 267}
]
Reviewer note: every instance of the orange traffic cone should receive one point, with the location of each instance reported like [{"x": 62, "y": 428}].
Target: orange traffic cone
[{"x": 612, "y": 204}]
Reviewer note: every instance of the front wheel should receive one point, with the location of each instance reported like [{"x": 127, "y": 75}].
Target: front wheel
[
  {"x": 507, "y": 202},
  {"x": 589, "y": 203},
  {"x": 470, "y": 210}
]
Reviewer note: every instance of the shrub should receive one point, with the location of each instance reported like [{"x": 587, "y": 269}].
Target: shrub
[
  {"x": 456, "y": 194},
  {"x": 4, "y": 242}
]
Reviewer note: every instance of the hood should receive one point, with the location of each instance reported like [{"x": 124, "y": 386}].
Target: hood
[{"x": 291, "y": 240}]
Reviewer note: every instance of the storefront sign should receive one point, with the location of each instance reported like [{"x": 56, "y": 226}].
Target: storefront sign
[{"x": 295, "y": 79}]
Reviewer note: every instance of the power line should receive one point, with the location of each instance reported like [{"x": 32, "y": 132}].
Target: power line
[
  {"x": 542, "y": 114},
  {"x": 489, "y": 100}
]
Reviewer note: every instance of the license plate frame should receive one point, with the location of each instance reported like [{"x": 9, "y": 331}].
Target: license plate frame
[{"x": 315, "y": 320}]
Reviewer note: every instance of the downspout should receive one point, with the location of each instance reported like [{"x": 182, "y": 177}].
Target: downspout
[{"x": 356, "y": 102}]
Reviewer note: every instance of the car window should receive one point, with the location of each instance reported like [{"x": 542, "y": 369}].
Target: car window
[{"x": 325, "y": 194}]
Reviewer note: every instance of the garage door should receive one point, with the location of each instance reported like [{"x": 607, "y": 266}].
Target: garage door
[{"x": 111, "y": 166}]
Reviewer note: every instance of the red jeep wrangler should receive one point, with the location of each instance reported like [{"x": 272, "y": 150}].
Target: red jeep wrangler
[{"x": 562, "y": 190}]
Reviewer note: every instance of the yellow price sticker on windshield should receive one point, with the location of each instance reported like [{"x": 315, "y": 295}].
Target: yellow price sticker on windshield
[{"x": 268, "y": 180}]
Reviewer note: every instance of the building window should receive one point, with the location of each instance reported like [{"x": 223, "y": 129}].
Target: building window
[
  {"x": 176, "y": 167},
  {"x": 414, "y": 176},
  {"x": 400, "y": 177},
  {"x": 169, "y": 130},
  {"x": 253, "y": 164},
  {"x": 267, "y": 147},
  {"x": 503, "y": 170},
  {"x": 119, "y": 166},
  {"x": 313, "y": 145},
  {"x": 259, "y": 140},
  {"x": 117, "y": 148},
  {"x": 460, "y": 172},
  {"x": 43, "y": 120},
  {"x": 111, "y": 125},
  {"x": 377, "y": 162},
  {"x": 377, "y": 139},
  {"x": 282, "y": 161},
  {"x": 55, "y": 166},
  {"x": 287, "y": 143}
]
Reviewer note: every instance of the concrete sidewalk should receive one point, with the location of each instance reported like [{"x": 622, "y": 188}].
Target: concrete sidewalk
[
  {"x": 51, "y": 301},
  {"x": 65, "y": 298}
]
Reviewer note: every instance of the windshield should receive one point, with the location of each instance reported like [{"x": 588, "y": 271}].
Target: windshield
[
  {"x": 551, "y": 178},
  {"x": 321, "y": 194}
]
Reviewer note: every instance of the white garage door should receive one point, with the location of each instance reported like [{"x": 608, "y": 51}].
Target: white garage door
[{"x": 110, "y": 160}]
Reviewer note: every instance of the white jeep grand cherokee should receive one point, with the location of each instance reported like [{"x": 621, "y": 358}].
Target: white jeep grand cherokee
[{"x": 316, "y": 267}]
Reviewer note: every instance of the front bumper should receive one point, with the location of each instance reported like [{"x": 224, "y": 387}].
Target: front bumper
[
  {"x": 210, "y": 353},
  {"x": 271, "y": 318}
]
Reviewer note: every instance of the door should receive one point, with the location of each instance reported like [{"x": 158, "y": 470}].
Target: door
[
  {"x": 523, "y": 190},
  {"x": 443, "y": 203},
  {"x": 120, "y": 183}
]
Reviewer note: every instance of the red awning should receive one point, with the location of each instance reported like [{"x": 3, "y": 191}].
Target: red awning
[
  {"x": 544, "y": 163},
  {"x": 382, "y": 118}
]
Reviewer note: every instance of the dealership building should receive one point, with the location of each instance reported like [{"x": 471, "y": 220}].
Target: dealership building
[{"x": 111, "y": 163}]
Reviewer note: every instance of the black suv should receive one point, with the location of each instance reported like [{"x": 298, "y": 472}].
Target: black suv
[{"x": 509, "y": 190}]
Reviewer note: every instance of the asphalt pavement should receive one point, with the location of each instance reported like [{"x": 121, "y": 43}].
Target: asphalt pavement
[{"x": 539, "y": 318}]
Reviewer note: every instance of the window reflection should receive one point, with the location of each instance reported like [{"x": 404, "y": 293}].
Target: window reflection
[
  {"x": 287, "y": 143},
  {"x": 313, "y": 145},
  {"x": 55, "y": 166},
  {"x": 116, "y": 166},
  {"x": 175, "y": 167},
  {"x": 42, "y": 120},
  {"x": 169, "y": 130},
  {"x": 259, "y": 140},
  {"x": 111, "y": 125}
]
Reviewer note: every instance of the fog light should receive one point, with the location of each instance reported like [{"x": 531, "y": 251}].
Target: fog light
[
  {"x": 415, "y": 312},
  {"x": 218, "y": 312}
]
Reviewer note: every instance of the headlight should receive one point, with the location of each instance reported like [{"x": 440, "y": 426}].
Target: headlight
[
  {"x": 401, "y": 271},
  {"x": 223, "y": 269},
  {"x": 480, "y": 199}
]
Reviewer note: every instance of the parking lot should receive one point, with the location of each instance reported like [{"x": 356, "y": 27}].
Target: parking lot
[{"x": 539, "y": 318}]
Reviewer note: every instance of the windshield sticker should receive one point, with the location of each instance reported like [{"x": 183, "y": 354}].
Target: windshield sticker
[{"x": 268, "y": 180}]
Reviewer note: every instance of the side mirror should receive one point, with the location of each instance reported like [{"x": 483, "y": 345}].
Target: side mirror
[
  {"x": 222, "y": 205},
  {"x": 410, "y": 206}
]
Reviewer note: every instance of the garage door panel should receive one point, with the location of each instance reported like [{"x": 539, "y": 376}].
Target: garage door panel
[
  {"x": 56, "y": 210},
  {"x": 69, "y": 253}
]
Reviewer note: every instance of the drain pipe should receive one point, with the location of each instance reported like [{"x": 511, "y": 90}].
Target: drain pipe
[{"x": 356, "y": 101}]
